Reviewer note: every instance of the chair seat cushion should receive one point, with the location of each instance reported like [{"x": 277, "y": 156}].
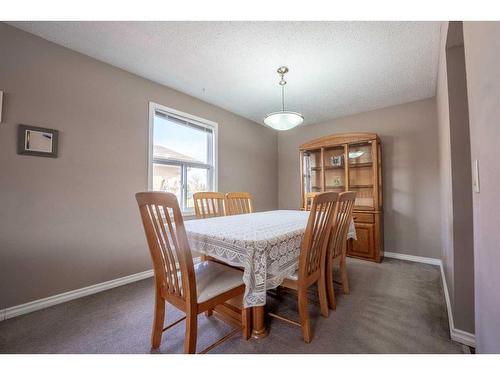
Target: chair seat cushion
[
  {"x": 213, "y": 279},
  {"x": 295, "y": 276}
]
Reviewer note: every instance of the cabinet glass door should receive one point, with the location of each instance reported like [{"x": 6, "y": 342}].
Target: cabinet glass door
[
  {"x": 361, "y": 174},
  {"x": 312, "y": 171},
  {"x": 334, "y": 164}
]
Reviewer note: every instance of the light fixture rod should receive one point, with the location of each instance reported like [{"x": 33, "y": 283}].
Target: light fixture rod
[
  {"x": 282, "y": 70},
  {"x": 283, "y": 98}
]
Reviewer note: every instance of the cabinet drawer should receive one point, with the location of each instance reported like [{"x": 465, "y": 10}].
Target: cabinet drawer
[{"x": 363, "y": 218}]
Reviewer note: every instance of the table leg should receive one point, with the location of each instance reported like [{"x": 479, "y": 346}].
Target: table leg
[{"x": 259, "y": 330}]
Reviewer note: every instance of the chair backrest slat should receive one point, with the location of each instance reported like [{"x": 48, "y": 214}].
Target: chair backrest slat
[
  {"x": 239, "y": 203},
  {"x": 342, "y": 221},
  {"x": 168, "y": 244},
  {"x": 209, "y": 204},
  {"x": 319, "y": 225},
  {"x": 168, "y": 257}
]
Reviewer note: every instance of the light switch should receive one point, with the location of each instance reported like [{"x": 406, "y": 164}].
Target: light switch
[
  {"x": 1, "y": 104},
  {"x": 475, "y": 178}
]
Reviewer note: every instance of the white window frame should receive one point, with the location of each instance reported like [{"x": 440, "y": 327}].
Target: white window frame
[{"x": 213, "y": 126}]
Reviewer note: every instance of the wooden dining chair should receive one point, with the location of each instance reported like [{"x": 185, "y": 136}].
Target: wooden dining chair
[
  {"x": 190, "y": 288},
  {"x": 312, "y": 260},
  {"x": 309, "y": 198},
  {"x": 209, "y": 204},
  {"x": 239, "y": 203},
  {"x": 337, "y": 245}
]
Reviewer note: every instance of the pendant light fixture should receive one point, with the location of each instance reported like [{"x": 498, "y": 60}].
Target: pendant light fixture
[{"x": 283, "y": 120}]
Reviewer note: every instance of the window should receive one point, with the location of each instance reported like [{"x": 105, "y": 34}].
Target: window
[{"x": 182, "y": 154}]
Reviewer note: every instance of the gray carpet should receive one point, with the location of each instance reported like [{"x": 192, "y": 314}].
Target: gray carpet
[{"x": 394, "y": 307}]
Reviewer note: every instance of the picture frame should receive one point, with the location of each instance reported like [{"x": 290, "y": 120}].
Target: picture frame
[{"x": 36, "y": 141}]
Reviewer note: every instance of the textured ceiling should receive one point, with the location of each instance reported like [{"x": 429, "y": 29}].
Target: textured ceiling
[{"x": 336, "y": 68}]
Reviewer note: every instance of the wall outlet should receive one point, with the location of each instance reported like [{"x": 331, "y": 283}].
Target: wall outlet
[{"x": 475, "y": 177}]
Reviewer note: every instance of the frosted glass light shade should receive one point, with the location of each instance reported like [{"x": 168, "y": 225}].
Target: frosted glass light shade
[{"x": 283, "y": 120}]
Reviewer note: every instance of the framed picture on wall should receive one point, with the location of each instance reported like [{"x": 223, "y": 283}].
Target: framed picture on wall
[{"x": 32, "y": 140}]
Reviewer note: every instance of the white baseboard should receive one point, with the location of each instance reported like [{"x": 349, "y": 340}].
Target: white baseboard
[
  {"x": 456, "y": 334},
  {"x": 43, "y": 303},
  {"x": 413, "y": 258},
  {"x": 463, "y": 337}
]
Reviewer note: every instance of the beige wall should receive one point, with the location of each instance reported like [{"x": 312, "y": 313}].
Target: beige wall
[
  {"x": 482, "y": 52},
  {"x": 446, "y": 207},
  {"x": 410, "y": 171},
  {"x": 71, "y": 222},
  {"x": 455, "y": 168}
]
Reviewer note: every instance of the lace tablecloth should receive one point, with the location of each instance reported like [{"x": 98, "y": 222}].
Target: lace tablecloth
[{"x": 265, "y": 244}]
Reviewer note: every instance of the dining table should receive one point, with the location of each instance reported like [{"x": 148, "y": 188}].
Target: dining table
[{"x": 265, "y": 245}]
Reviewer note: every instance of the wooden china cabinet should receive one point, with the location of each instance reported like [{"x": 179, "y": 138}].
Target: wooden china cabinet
[{"x": 343, "y": 162}]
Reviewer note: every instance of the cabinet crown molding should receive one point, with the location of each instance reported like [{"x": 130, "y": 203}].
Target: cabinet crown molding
[{"x": 341, "y": 138}]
